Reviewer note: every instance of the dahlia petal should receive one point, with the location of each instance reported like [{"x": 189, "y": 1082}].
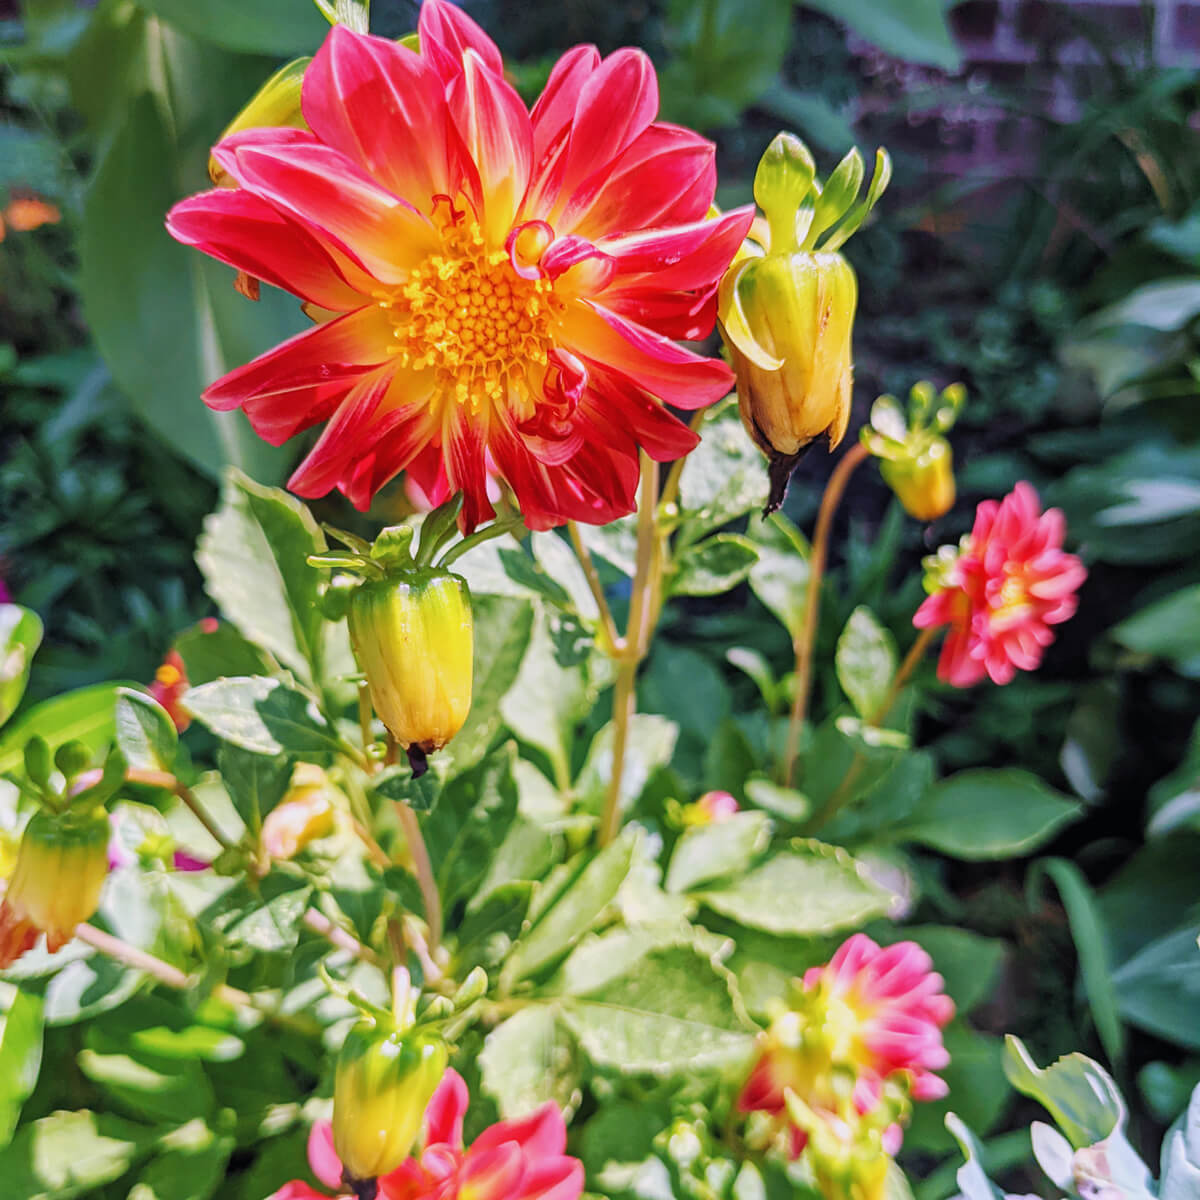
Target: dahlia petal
[
  {"x": 559, "y": 1178},
  {"x": 248, "y": 234},
  {"x": 383, "y": 107},
  {"x": 955, "y": 665},
  {"x": 541, "y": 1134},
  {"x": 675, "y": 375},
  {"x": 322, "y": 1158},
  {"x": 666, "y": 176},
  {"x": 577, "y": 266},
  {"x": 338, "y": 351},
  {"x": 555, "y": 108},
  {"x": 465, "y": 448},
  {"x": 445, "y": 1111},
  {"x": 682, "y": 316},
  {"x": 661, "y": 434},
  {"x": 495, "y": 127},
  {"x": 385, "y": 235},
  {"x": 677, "y": 259},
  {"x": 409, "y": 1181},
  {"x": 297, "y": 1189},
  {"x": 926, "y": 1086},
  {"x": 446, "y": 33},
  {"x": 491, "y": 1174},
  {"x": 616, "y": 103}
]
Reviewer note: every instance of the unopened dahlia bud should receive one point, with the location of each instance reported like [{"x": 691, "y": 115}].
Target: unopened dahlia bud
[
  {"x": 383, "y": 1082},
  {"x": 305, "y": 813},
  {"x": 787, "y": 307},
  {"x": 915, "y": 459},
  {"x": 413, "y": 635},
  {"x": 61, "y": 867}
]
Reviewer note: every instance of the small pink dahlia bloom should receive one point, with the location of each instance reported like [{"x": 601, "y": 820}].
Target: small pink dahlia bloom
[
  {"x": 492, "y": 286},
  {"x": 1008, "y": 585},
  {"x": 511, "y": 1160},
  {"x": 877, "y": 1012}
]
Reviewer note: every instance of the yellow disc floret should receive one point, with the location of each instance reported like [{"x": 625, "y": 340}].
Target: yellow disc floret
[{"x": 469, "y": 315}]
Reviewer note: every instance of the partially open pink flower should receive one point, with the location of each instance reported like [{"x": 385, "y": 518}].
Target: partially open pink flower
[
  {"x": 868, "y": 1021},
  {"x": 486, "y": 280},
  {"x": 169, "y": 684},
  {"x": 511, "y": 1160},
  {"x": 1007, "y": 586}
]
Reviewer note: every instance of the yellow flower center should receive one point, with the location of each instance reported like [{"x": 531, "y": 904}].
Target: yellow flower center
[
  {"x": 466, "y": 313},
  {"x": 1014, "y": 598},
  {"x": 168, "y": 675}
]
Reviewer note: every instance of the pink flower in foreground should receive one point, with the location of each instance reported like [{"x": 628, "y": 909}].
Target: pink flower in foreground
[
  {"x": 511, "y": 1160},
  {"x": 867, "y": 1023},
  {"x": 1010, "y": 582},
  {"x": 490, "y": 283}
]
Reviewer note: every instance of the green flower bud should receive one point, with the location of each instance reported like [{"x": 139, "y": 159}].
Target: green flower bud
[
  {"x": 383, "y": 1082},
  {"x": 413, "y": 635}
]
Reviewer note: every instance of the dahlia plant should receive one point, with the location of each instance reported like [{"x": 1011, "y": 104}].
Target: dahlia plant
[{"x": 430, "y": 803}]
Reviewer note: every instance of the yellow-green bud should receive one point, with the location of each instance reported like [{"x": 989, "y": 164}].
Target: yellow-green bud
[
  {"x": 923, "y": 484},
  {"x": 787, "y": 320},
  {"x": 61, "y": 867},
  {"x": 413, "y": 635},
  {"x": 384, "y": 1081}
]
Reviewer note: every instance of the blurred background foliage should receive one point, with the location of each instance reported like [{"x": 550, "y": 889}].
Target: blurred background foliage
[{"x": 1041, "y": 243}]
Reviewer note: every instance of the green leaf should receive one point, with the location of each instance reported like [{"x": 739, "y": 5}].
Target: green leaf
[
  {"x": 149, "y": 300},
  {"x": 724, "y": 477},
  {"x": 574, "y": 911},
  {"x": 1181, "y": 1155},
  {"x": 650, "y": 743},
  {"x": 1091, "y": 944},
  {"x": 396, "y": 783},
  {"x": 1169, "y": 628},
  {"x": 913, "y": 30},
  {"x": 146, "y": 735},
  {"x": 785, "y": 803},
  {"x": 69, "y": 1154},
  {"x": 255, "y": 783},
  {"x": 271, "y": 27},
  {"x": 1158, "y": 988},
  {"x": 20, "y": 1057},
  {"x": 556, "y": 557},
  {"x": 780, "y": 577},
  {"x": 1077, "y": 1092},
  {"x": 85, "y": 715},
  {"x": 529, "y": 1060},
  {"x": 809, "y": 889},
  {"x": 472, "y": 816},
  {"x": 221, "y": 653},
  {"x": 144, "y": 1085},
  {"x": 866, "y": 662},
  {"x": 982, "y": 814},
  {"x": 675, "y": 1012},
  {"x": 526, "y": 707},
  {"x": 264, "y": 716},
  {"x": 253, "y": 554},
  {"x": 713, "y": 566},
  {"x": 20, "y": 636},
  {"x": 709, "y": 852},
  {"x": 191, "y": 1167},
  {"x": 263, "y": 917},
  {"x": 503, "y": 627}
]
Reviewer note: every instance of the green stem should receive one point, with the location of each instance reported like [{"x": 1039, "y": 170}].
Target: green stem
[
  {"x": 423, "y": 868},
  {"x": 643, "y": 612},
  {"x": 494, "y": 530},
  {"x": 816, "y": 571}
]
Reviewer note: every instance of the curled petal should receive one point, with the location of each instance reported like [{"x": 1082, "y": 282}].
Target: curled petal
[
  {"x": 446, "y": 33},
  {"x": 322, "y": 1157}
]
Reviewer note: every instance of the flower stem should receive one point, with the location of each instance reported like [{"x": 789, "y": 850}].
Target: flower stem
[
  {"x": 122, "y": 952},
  {"x": 423, "y": 868},
  {"x": 816, "y": 571},
  {"x": 607, "y": 624},
  {"x": 643, "y": 606},
  {"x": 201, "y": 814}
]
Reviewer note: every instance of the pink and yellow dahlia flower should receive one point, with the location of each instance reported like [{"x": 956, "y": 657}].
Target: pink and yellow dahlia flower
[
  {"x": 870, "y": 1018},
  {"x": 512, "y": 1160},
  {"x": 1010, "y": 582},
  {"x": 493, "y": 286}
]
